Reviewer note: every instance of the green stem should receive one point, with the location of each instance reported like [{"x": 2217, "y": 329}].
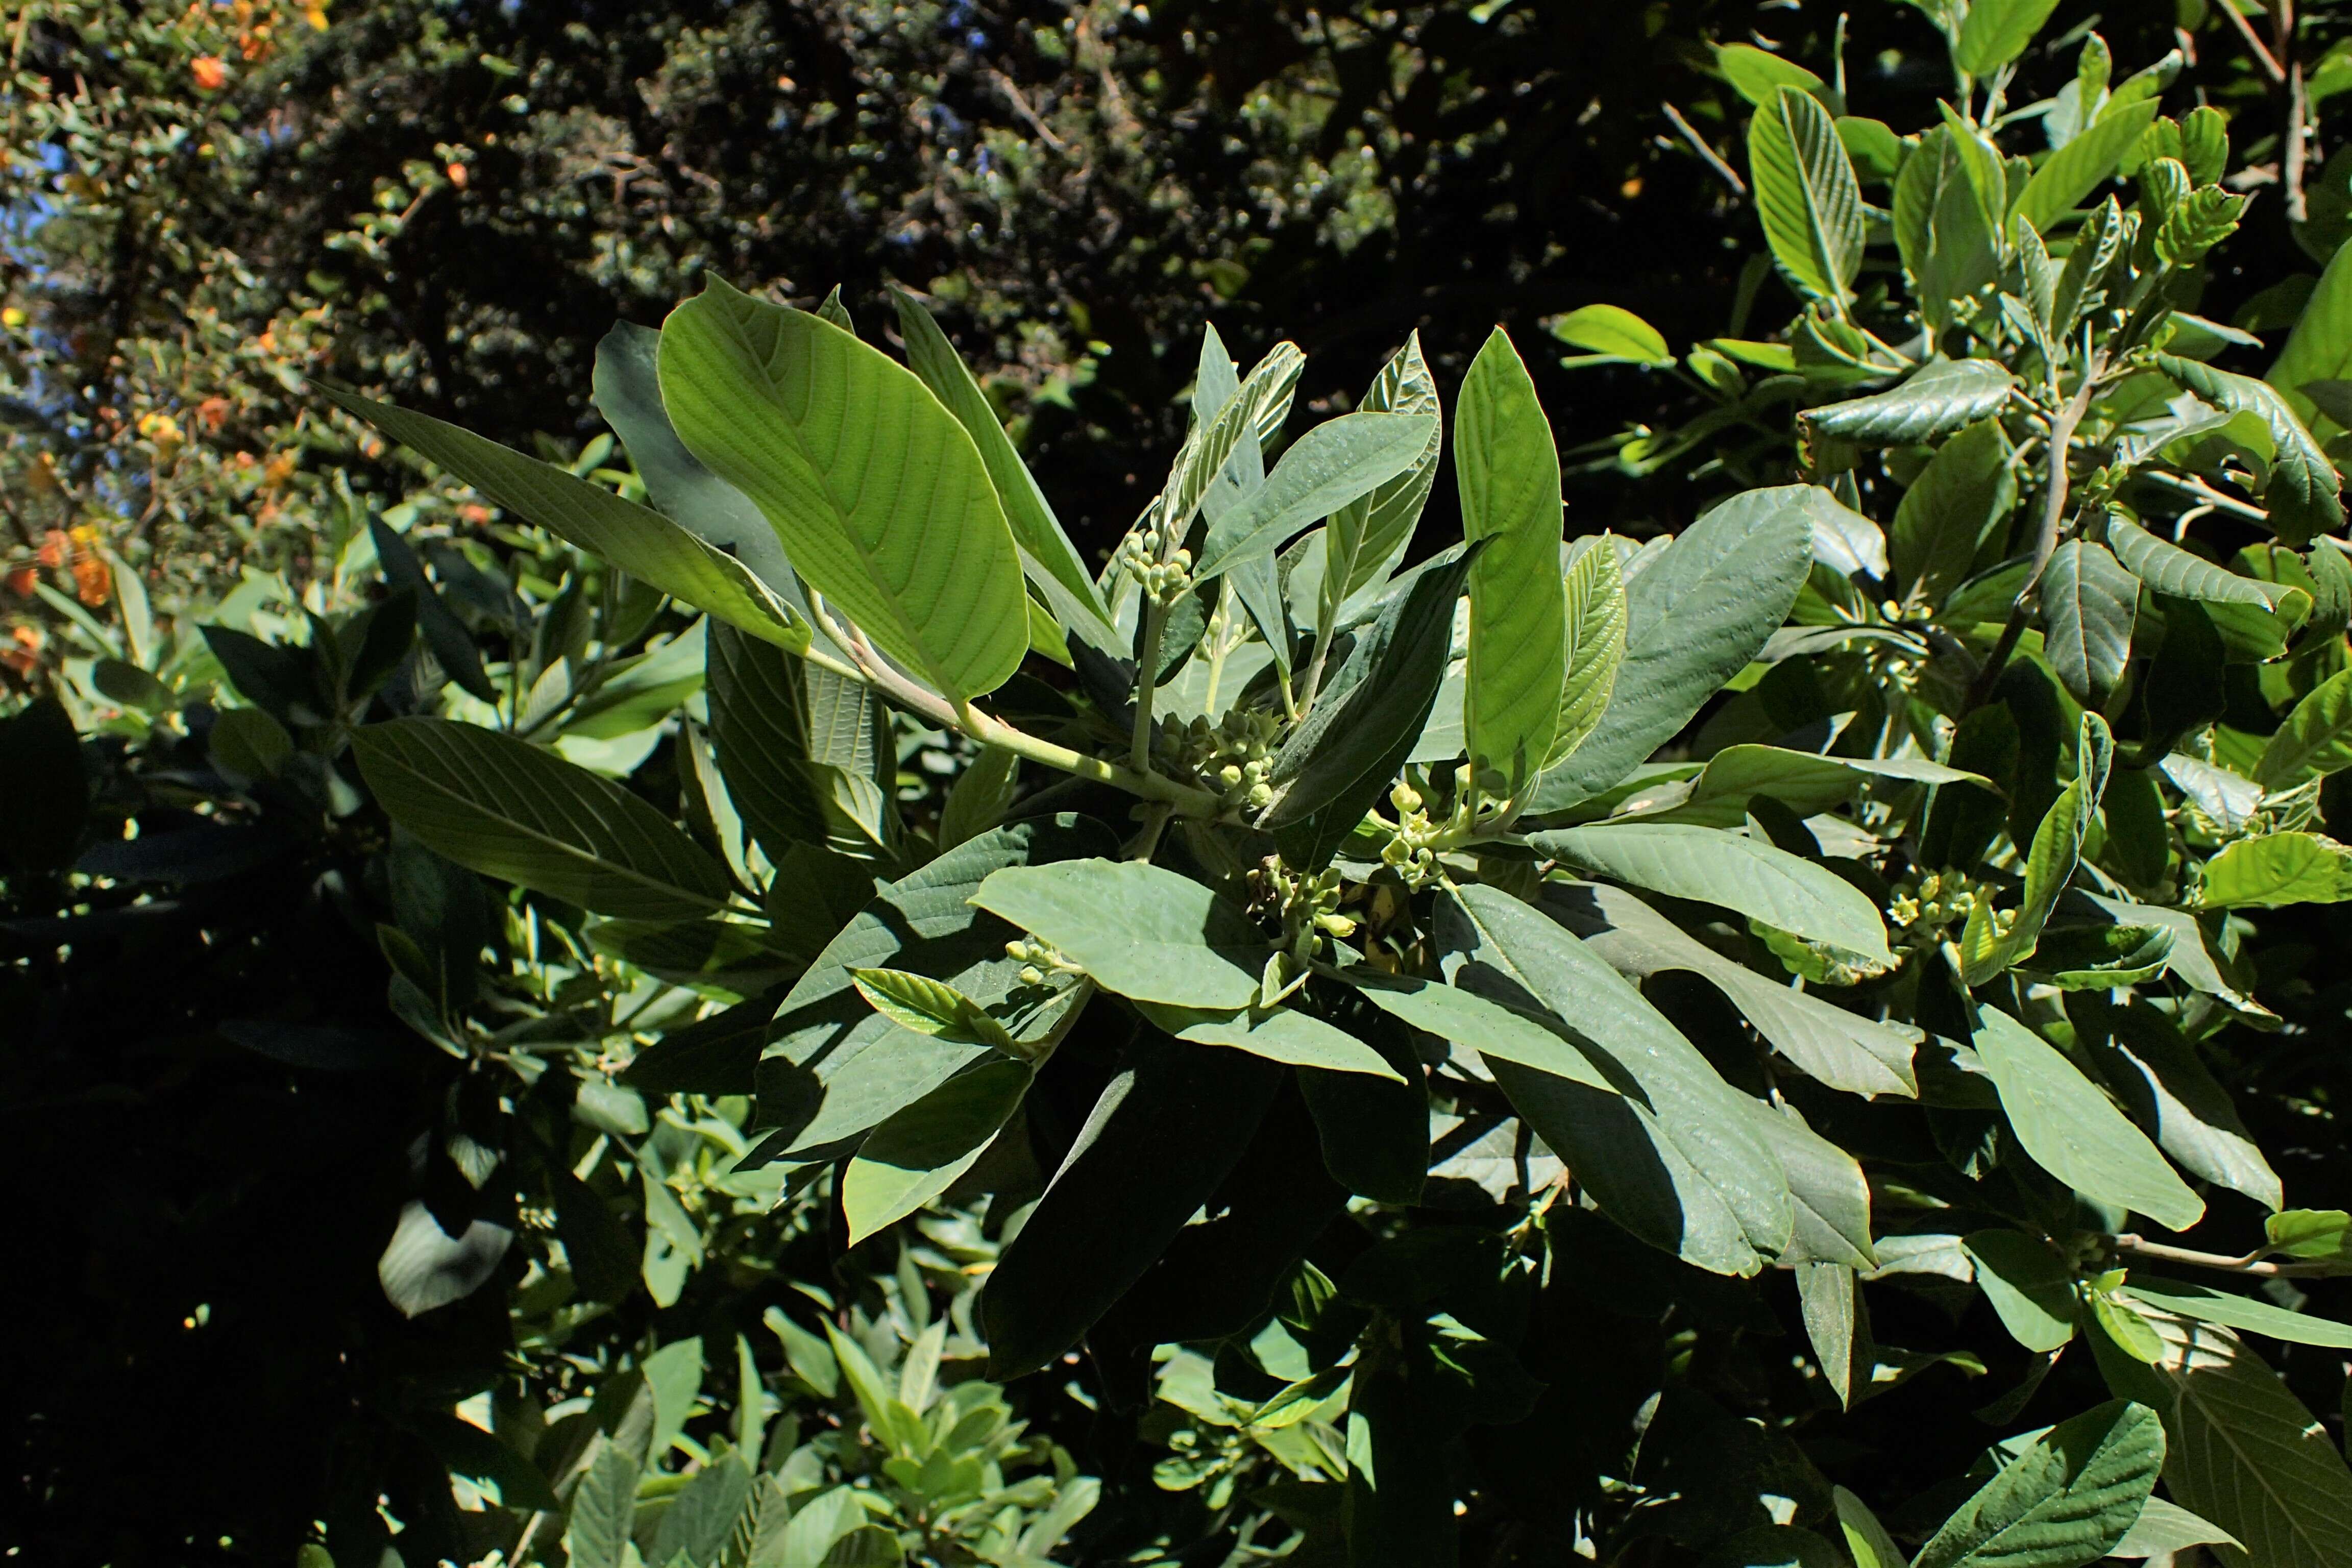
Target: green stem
[{"x": 2252, "y": 1263}]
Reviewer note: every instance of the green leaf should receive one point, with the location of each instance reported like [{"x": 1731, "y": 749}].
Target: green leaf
[
  {"x": 2074, "y": 171},
  {"x": 1508, "y": 472},
  {"x": 1363, "y": 726},
  {"x": 1613, "y": 332},
  {"x": 1694, "y": 617},
  {"x": 759, "y": 729},
  {"x": 1494, "y": 1029},
  {"x": 2245, "y": 1452},
  {"x": 1943, "y": 225},
  {"x": 1995, "y": 33},
  {"x": 1843, "y": 1049},
  {"x": 508, "y": 809},
  {"x": 2072, "y": 1130},
  {"x": 627, "y": 393},
  {"x": 1865, "y": 1538},
  {"x": 2314, "y": 740},
  {"x": 1964, "y": 492},
  {"x": 2165, "y": 1086},
  {"x": 2310, "y": 1233},
  {"x": 700, "y": 1519},
  {"x": 1339, "y": 461},
  {"x": 2211, "y": 1306},
  {"x": 1048, "y": 559},
  {"x": 2030, "y": 1286},
  {"x": 1166, "y": 1130},
  {"x": 1938, "y": 398},
  {"x": 638, "y": 540},
  {"x": 2304, "y": 489},
  {"x": 603, "y": 1510},
  {"x": 2163, "y": 1529},
  {"x": 1595, "y": 647},
  {"x": 2320, "y": 347},
  {"x": 931, "y": 1007},
  {"x": 916, "y": 1153},
  {"x": 2088, "y": 605},
  {"x": 1806, "y": 783},
  {"x": 1829, "y": 1199},
  {"x": 1738, "y": 873},
  {"x": 1371, "y": 531},
  {"x": 834, "y": 1067},
  {"x": 1140, "y": 931},
  {"x": 1806, "y": 195},
  {"x": 880, "y": 497},
  {"x": 2168, "y": 569},
  {"x": 1674, "y": 1157},
  {"x": 1758, "y": 77},
  {"x": 2066, "y": 1500},
  {"x": 1278, "y": 1034},
  {"x": 2049, "y": 866},
  {"x": 2279, "y": 868}
]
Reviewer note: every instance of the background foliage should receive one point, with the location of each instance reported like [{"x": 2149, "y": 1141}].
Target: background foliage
[{"x": 448, "y": 206}]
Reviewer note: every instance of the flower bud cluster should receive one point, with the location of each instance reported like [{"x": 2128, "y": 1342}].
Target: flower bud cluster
[
  {"x": 1412, "y": 853},
  {"x": 1040, "y": 959},
  {"x": 1928, "y": 909},
  {"x": 1309, "y": 904},
  {"x": 1234, "y": 756},
  {"x": 1165, "y": 580}
]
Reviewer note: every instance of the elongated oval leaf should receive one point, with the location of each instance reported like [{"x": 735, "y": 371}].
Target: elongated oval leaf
[
  {"x": 1694, "y": 619},
  {"x": 1717, "y": 868},
  {"x": 1048, "y": 559},
  {"x": 2243, "y": 1452},
  {"x": 2064, "y": 1503},
  {"x": 2305, "y": 493},
  {"x": 1595, "y": 647},
  {"x": 918, "y": 1153},
  {"x": 2072, "y": 1130},
  {"x": 1843, "y": 1049},
  {"x": 880, "y": 497},
  {"x": 2050, "y": 864},
  {"x": 2208, "y": 1305},
  {"x": 1806, "y": 193},
  {"x": 1938, "y": 398},
  {"x": 508, "y": 809},
  {"x": 2074, "y": 171},
  {"x": 1943, "y": 226},
  {"x": 2272, "y": 870},
  {"x": 2088, "y": 605},
  {"x": 2320, "y": 347},
  {"x": 1672, "y": 1158},
  {"x": 2168, "y": 569},
  {"x": 1339, "y": 461},
  {"x": 1966, "y": 490},
  {"x": 637, "y": 540},
  {"x": 2314, "y": 740},
  {"x": 1508, "y": 473},
  {"x": 1278, "y": 1033},
  {"x": 1491, "y": 1028},
  {"x": 1368, "y": 534},
  {"x": 2029, "y": 1285},
  {"x": 1138, "y": 930}
]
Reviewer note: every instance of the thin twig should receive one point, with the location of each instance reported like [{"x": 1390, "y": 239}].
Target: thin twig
[
  {"x": 1698, "y": 144},
  {"x": 2252, "y": 1264},
  {"x": 2262, "y": 56},
  {"x": 2297, "y": 114},
  {"x": 1013, "y": 95}
]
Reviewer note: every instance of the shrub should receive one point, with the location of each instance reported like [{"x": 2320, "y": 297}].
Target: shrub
[{"x": 1471, "y": 1049}]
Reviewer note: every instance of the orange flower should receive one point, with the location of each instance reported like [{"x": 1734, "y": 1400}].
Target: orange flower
[
  {"x": 213, "y": 413},
  {"x": 474, "y": 513},
  {"x": 21, "y": 581},
  {"x": 278, "y": 469},
  {"x": 53, "y": 548},
  {"x": 93, "y": 584},
  {"x": 210, "y": 73},
  {"x": 457, "y": 172},
  {"x": 23, "y": 648}
]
